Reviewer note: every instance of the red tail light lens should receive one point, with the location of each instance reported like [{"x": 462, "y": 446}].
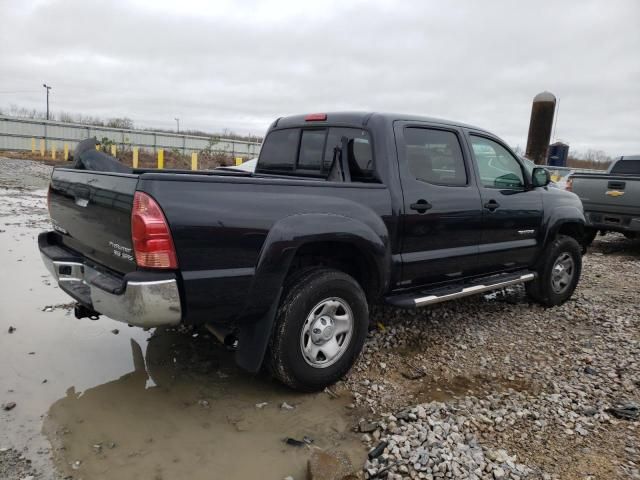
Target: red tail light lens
[{"x": 152, "y": 242}]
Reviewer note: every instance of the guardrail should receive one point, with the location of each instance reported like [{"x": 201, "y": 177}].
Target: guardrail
[{"x": 51, "y": 136}]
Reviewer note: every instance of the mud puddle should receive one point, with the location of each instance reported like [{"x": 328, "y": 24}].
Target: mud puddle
[
  {"x": 102, "y": 400},
  {"x": 185, "y": 411}
]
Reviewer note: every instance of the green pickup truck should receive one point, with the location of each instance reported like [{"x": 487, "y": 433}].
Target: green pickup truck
[{"x": 611, "y": 200}]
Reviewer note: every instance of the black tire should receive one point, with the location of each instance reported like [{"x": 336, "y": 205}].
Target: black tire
[
  {"x": 543, "y": 290},
  {"x": 303, "y": 292}
]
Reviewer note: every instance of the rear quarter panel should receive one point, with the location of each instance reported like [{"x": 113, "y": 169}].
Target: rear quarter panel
[{"x": 220, "y": 228}]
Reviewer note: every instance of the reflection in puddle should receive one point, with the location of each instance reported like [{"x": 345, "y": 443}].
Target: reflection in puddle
[{"x": 186, "y": 411}]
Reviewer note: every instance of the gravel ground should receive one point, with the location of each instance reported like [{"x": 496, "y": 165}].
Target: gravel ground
[
  {"x": 496, "y": 387},
  {"x": 485, "y": 387}
]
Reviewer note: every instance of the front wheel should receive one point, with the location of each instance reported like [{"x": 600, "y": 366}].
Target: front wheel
[
  {"x": 320, "y": 329},
  {"x": 558, "y": 273}
]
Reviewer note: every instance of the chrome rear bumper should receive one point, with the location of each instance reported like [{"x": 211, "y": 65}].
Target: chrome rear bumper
[{"x": 142, "y": 303}]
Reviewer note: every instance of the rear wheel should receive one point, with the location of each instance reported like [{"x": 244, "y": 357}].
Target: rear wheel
[
  {"x": 559, "y": 272},
  {"x": 321, "y": 326}
]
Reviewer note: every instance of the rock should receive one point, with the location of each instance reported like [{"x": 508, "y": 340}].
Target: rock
[
  {"x": 262, "y": 404},
  {"x": 498, "y": 473},
  {"x": 8, "y": 406},
  {"x": 367, "y": 427},
  {"x": 629, "y": 411},
  {"x": 331, "y": 465},
  {"x": 115, "y": 331},
  {"x": 286, "y": 406},
  {"x": 12, "y": 329}
]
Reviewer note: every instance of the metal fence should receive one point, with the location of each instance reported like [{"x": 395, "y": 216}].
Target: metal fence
[{"x": 27, "y": 134}]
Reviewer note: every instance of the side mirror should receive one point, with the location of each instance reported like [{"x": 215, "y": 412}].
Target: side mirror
[{"x": 541, "y": 177}]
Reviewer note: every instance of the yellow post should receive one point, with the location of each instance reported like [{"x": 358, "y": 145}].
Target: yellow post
[
  {"x": 53, "y": 151},
  {"x": 33, "y": 145},
  {"x": 238, "y": 161},
  {"x": 160, "y": 159},
  {"x": 194, "y": 160},
  {"x": 113, "y": 150},
  {"x": 66, "y": 152},
  {"x": 134, "y": 162},
  {"x": 42, "y": 147}
]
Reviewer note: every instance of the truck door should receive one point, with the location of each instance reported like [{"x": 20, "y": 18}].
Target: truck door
[
  {"x": 512, "y": 210},
  {"x": 442, "y": 213}
]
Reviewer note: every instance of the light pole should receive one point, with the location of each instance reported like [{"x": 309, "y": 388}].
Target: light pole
[
  {"x": 48, "y": 88},
  {"x": 178, "y": 122}
]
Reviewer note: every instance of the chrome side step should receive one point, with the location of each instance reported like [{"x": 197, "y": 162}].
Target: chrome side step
[{"x": 442, "y": 295}]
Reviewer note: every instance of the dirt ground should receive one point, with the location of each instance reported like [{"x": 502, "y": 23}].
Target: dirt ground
[{"x": 97, "y": 399}]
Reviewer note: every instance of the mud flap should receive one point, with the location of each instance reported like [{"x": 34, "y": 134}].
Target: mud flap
[{"x": 253, "y": 339}]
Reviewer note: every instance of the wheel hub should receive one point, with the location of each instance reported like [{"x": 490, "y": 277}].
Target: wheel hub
[
  {"x": 562, "y": 273},
  {"x": 326, "y": 333},
  {"x": 322, "y": 330}
]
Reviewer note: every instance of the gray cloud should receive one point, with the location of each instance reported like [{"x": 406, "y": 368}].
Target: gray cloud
[{"x": 239, "y": 65}]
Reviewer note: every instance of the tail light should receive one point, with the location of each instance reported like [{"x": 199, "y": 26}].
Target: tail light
[
  {"x": 569, "y": 186},
  {"x": 152, "y": 242}
]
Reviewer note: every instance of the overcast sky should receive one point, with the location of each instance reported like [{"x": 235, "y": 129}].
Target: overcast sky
[{"x": 238, "y": 65}]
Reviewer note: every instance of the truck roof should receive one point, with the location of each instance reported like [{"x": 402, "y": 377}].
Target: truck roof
[{"x": 362, "y": 118}]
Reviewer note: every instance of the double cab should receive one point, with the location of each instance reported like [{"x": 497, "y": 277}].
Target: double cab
[{"x": 343, "y": 210}]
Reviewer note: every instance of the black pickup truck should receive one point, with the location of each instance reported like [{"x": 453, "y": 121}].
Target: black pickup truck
[{"x": 344, "y": 210}]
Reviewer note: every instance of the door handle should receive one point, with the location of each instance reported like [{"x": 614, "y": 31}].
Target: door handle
[
  {"x": 491, "y": 205},
  {"x": 421, "y": 206}
]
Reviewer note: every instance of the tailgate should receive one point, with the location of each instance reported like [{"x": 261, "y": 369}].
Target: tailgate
[
  {"x": 92, "y": 213},
  {"x": 608, "y": 193}
]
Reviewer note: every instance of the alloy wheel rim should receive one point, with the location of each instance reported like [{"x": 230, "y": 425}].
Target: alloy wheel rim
[
  {"x": 562, "y": 272},
  {"x": 327, "y": 332}
]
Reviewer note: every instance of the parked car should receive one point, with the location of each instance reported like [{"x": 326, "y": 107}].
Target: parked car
[
  {"x": 344, "y": 210},
  {"x": 611, "y": 200}
]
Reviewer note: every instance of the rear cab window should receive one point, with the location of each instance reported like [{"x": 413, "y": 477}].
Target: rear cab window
[{"x": 315, "y": 152}]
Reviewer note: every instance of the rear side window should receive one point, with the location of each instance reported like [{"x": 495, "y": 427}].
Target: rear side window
[
  {"x": 626, "y": 167},
  {"x": 279, "y": 150},
  {"x": 360, "y": 152},
  {"x": 435, "y": 156}
]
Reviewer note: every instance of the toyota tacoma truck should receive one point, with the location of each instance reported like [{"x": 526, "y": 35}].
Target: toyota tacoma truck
[
  {"x": 343, "y": 210},
  {"x": 611, "y": 200}
]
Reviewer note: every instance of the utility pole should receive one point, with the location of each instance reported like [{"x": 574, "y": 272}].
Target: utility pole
[
  {"x": 48, "y": 88},
  {"x": 178, "y": 122}
]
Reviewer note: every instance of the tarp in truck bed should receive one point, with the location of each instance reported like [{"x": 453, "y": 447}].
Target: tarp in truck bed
[{"x": 86, "y": 157}]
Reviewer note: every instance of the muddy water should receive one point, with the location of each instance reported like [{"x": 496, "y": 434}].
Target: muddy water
[{"x": 135, "y": 404}]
